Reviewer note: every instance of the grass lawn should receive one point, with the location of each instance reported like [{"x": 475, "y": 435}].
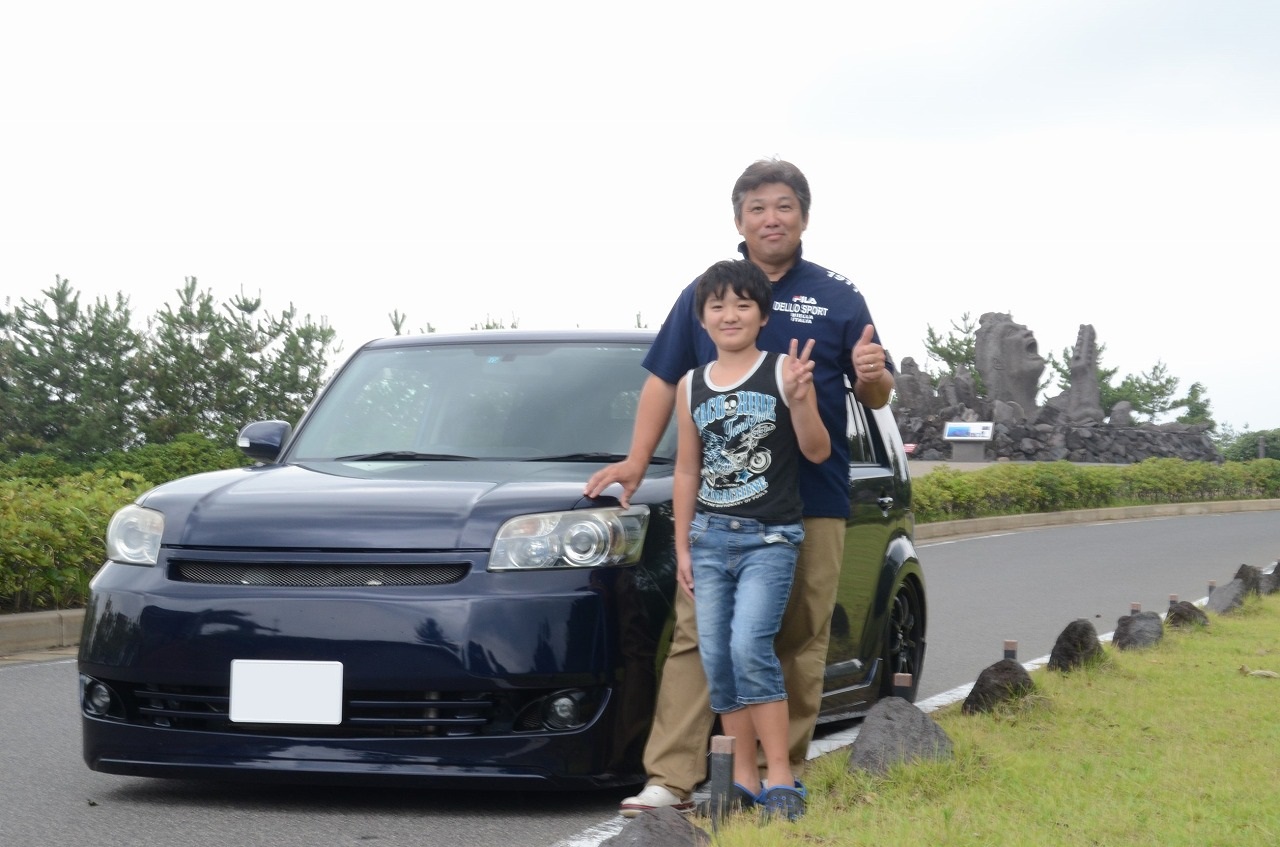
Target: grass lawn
[{"x": 1174, "y": 745}]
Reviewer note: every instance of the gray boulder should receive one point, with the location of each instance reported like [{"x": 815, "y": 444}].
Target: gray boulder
[
  {"x": 1136, "y": 631},
  {"x": 1121, "y": 414},
  {"x": 661, "y": 827},
  {"x": 1005, "y": 680},
  {"x": 1251, "y": 577},
  {"x": 1226, "y": 598},
  {"x": 1185, "y": 615},
  {"x": 1076, "y": 645},
  {"x": 896, "y": 732}
]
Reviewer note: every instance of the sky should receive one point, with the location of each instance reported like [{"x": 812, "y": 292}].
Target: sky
[{"x": 560, "y": 164}]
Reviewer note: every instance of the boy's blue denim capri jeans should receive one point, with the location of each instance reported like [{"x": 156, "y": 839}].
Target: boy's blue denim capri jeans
[{"x": 742, "y": 573}]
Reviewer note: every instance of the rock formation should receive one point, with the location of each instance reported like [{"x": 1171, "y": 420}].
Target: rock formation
[
  {"x": 1084, "y": 403},
  {"x": 1072, "y": 426},
  {"x": 1008, "y": 361}
]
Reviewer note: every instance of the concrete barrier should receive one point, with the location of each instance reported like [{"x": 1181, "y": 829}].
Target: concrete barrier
[
  {"x": 1006, "y": 523},
  {"x": 40, "y": 630}
]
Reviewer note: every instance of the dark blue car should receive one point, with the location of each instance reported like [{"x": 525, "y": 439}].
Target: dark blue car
[{"x": 411, "y": 586}]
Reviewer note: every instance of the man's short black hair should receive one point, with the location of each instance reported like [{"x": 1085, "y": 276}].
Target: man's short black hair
[
  {"x": 765, "y": 172},
  {"x": 742, "y": 276}
]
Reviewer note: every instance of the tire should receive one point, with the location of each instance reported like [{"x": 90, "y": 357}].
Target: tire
[{"x": 903, "y": 650}]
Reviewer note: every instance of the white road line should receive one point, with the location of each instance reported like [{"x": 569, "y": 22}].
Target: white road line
[
  {"x": 23, "y": 664},
  {"x": 595, "y": 835}
]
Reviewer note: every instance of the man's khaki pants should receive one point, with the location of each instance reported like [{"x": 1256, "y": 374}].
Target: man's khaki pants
[{"x": 675, "y": 755}]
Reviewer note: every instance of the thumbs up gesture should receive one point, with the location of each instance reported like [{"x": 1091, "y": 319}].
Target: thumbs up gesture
[{"x": 868, "y": 357}]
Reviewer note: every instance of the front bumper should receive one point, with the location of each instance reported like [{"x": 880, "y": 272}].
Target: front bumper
[{"x": 441, "y": 685}]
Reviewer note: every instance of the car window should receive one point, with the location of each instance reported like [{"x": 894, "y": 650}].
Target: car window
[
  {"x": 511, "y": 400},
  {"x": 861, "y": 448}
]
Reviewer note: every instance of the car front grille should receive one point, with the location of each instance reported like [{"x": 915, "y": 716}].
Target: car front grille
[
  {"x": 286, "y": 575},
  {"x": 366, "y": 714}
]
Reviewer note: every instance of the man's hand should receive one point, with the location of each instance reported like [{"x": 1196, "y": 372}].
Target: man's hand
[
  {"x": 868, "y": 357},
  {"x": 626, "y": 473},
  {"x": 657, "y": 399},
  {"x": 875, "y": 382}
]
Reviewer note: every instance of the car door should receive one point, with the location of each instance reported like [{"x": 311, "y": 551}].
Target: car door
[{"x": 866, "y": 573}]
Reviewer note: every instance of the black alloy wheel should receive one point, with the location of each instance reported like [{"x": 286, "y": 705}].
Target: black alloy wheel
[{"x": 903, "y": 641}]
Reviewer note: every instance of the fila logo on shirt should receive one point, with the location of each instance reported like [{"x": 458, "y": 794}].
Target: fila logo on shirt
[{"x": 802, "y": 308}]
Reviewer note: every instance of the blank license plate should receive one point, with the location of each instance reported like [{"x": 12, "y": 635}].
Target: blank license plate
[{"x": 265, "y": 691}]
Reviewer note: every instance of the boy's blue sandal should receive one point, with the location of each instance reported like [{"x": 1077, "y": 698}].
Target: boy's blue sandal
[{"x": 783, "y": 801}]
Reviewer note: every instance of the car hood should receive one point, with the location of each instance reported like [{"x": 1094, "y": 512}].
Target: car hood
[{"x": 363, "y": 505}]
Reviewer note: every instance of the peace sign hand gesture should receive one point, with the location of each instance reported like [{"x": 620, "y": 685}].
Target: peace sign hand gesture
[{"x": 797, "y": 375}]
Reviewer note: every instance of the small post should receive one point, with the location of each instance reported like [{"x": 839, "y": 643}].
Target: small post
[
  {"x": 721, "y": 776},
  {"x": 901, "y": 685},
  {"x": 1011, "y": 650},
  {"x": 1134, "y": 608},
  {"x": 1213, "y": 583},
  {"x": 1173, "y": 600}
]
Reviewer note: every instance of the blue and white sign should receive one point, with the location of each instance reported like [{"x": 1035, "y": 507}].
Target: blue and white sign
[{"x": 968, "y": 430}]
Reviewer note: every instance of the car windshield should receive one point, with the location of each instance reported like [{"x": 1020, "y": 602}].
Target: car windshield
[{"x": 520, "y": 401}]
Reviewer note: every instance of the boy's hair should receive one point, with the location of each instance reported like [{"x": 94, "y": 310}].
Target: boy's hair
[
  {"x": 766, "y": 171},
  {"x": 742, "y": 276}
]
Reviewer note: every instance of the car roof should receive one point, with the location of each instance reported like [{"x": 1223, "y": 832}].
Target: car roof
[{"x": 506, "y": 336}]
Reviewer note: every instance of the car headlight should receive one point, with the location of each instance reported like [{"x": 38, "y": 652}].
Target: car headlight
[
  {"x": 591, "y": 538},
  {"x": 133, "y": 536}
]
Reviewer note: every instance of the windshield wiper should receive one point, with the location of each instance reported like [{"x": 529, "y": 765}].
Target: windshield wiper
[
  {"x": 404, "y": 456},
  {"x": 594, "y": 457}
]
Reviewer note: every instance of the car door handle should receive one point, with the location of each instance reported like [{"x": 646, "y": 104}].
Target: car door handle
[{"x": 885, "y": 503}]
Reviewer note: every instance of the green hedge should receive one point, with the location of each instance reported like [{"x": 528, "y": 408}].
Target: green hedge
[
  {"x": 52, "y": 536},
  {"x": 185, "y": 455},
  {"x": 53, "y": 519},
  {"x": 1025, "y": 488},
  {"x": 54, "y": 514}
]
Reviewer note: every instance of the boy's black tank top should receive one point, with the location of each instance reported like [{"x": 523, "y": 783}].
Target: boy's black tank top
[{"x": 750, "y": 455}]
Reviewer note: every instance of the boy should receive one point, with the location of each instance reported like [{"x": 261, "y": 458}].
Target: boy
[{"x": 738, "y": 518}]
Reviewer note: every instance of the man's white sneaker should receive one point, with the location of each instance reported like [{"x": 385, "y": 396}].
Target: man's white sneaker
[{"x": 653, "y": 797}]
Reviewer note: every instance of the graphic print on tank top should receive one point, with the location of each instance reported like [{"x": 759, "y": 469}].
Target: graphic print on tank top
[{"x": 734, "y": 461}]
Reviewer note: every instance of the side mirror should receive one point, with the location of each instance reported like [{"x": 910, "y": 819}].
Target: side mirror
[{"x": 262, "y": 440}]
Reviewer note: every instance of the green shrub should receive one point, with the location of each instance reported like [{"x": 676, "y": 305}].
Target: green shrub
[
  {"x": 52, "y": 536},
  {"x": 1259, "y": 478},
  {"x": 37, "y": 466},
  {"x": 944, "y": 495},
  {"x": 53, "y": 516},
  {"x": 1098, "y": 486},
  {"x": 1245, "y": 446},
  {"x": 1028, "y": 487},
  {"x": 189, "y": 453}
]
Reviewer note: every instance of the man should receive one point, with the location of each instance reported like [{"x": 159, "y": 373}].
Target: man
[{"x": 771, "y": 212}]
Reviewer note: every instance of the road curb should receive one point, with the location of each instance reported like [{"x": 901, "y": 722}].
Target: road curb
[
  {"x": 30, "y": 631},
  {"x": 1005, "y": 523}
]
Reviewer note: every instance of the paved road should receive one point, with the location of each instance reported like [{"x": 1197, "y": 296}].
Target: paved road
[{"x": 1028, "y": 585}]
